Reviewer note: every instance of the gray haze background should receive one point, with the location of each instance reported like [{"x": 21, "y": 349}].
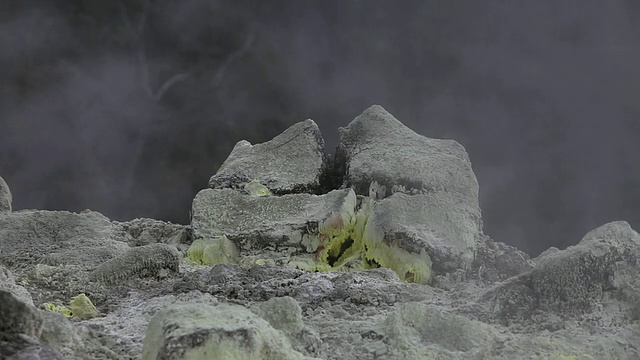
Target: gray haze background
[{"x": 543, "y": 94}]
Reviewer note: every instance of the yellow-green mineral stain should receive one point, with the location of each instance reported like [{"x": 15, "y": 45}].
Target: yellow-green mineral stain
[
  {"x": 346, "y": 235},
  {"x": 57, "y": 309},
  {"x": 211, "y": 252},
  {"x": 255, "y": 188},
  {"x": 81, "y": 307}
]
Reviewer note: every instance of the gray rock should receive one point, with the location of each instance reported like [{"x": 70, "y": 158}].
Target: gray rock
[
  {"x": 627, "y": 283},
  {"x": 292, "y": 162},
  {"x": 199, "y": 331},
  {"x": 57, "y": 238},
  {"x": 377, "y": 147},
  {"x": 148, "y": 260},
  {"x": 61, "y": 334},
  {"x": 5, "y": 197},
  {"x": 36, "y": 352},
  {"x": 75, "y": 340},
  {"x": 428, "y": 222},
  {"x": 496, "y": 261},
  {"x": 7, "y": 283},
  {"x": 399, "y": 232},
  {"x": 52, "y": 253},
  {"x": 283, "y": 313},
  {"x": 59, "y": 284},
  {"x": 418, "y": 331},
  {"x": 436, "y": 192},
  {"x": 128, "y": 321},
  {"x": 21, "y": 326},
  {"x": 19, "y": 318},
  {"x": 508, "y": 302},
  {"x": 255, "y": 222},
  {"x": 24, "y": 349},
  {"x": 140, "y": 232},
  {"x": 434, "y": 212},
  {"x": 415, "y": 212},
  {"x": 540, "y": 258},
  {"x": 573, "y": 282},
  {"x": 29, "y": 333},
  {"x": 566, "y": 345}
]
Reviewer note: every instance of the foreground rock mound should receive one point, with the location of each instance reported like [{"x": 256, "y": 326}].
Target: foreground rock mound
[
  {"x": 377, "y": 253},
  {"x": 198, "y": 331}
]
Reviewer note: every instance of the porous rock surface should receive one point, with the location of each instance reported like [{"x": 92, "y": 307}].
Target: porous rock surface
[
  {"x": 225, "y": 331},
  {"x": 5, "y": 196},
  {"x": 433, "y": 178},
  {"x": 377, "y": 253},
  {"x": 291, "y": 162},
  {"x": 265, "y": 221},
  {"x": 601, "y": 269}
]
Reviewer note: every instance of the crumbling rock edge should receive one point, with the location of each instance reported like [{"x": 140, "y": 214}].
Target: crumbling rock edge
[{"x": 378, "y": 254}]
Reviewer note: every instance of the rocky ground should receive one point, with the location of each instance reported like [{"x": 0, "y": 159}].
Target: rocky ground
[{"x": 374, "y": 253}]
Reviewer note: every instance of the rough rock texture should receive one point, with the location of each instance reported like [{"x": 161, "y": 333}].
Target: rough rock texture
[
  {"x": 417, "y": 331},
  {"x": 263, "y": 221},
  {"x": 29, "y": 333},
  {"x": 19, "y": 318},
  {"x": 283, "y": 313},
  {"x": 140, "y": 232},
  {"x": 376, "y": 146},
  {"x": 199, "y": 331},
  {"x": 5, "y": 196},
  {"x": 54, "y": 238},
  {"x": 601, "y": 269},
  {"x": 577, "y": 279},
  {"x": 292, "y": 162},
  {"x": 426, "y": 221},
  {"x": 378, "y": 154},
  {"x": 495, "y": 261},
  {"x": 7, "y": 283},
  {"x": 149, "y": 259},
  {"x": 393, "y": 265}
]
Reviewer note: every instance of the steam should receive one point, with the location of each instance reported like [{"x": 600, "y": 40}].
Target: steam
[{"x": 542, "y": 94}]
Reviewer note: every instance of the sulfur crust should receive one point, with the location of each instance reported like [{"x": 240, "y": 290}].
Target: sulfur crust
[
  {"x": 335, "y": 231},
  {"x": 409, "y": 266},
  {"x": 255, "y": 188},
  {"x": 211, "y": 252},
  {"x": 368, "y": 242},
  {"x": 82, "y": 307}
]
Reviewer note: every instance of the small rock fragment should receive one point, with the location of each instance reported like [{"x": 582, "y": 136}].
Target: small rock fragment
[{"x": 5, "y": 197}]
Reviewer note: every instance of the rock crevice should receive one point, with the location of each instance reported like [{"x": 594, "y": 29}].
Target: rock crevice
[{"x": 378, "y": 253}]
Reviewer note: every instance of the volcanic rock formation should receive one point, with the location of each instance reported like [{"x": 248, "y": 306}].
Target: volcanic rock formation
[{"x": 376, "y": 252}]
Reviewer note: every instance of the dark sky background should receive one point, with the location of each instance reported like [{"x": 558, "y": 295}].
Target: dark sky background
[{"x": 129, "y": 107}]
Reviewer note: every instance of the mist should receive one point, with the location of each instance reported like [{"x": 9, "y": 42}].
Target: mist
[{"x": 128, "y": 108}]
